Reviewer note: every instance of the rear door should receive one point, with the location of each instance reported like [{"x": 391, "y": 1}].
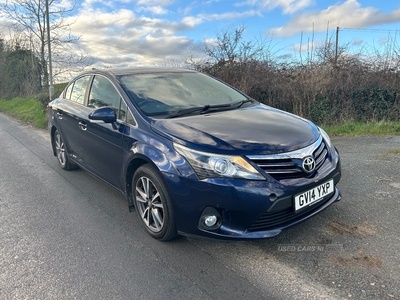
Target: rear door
[{"x": 71, "y": 113}]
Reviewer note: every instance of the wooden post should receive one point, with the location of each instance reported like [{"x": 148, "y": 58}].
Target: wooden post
[
  {"x": 337, "y": 46},
  {"x": 51, "y": 88}
]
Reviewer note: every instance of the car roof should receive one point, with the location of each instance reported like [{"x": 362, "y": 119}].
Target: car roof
[{"x": 139, "y": 70}]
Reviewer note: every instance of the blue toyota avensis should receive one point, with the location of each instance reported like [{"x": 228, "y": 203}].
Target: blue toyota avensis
[{"x": 193, "y": 155}]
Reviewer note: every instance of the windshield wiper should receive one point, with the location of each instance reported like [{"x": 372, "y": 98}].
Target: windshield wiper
[
  {"x": 187, "y": 111},
  {"x": 240, "y": 103},
  {"x": 199, "y": 110},
  {"x": 206, "y": 108}
]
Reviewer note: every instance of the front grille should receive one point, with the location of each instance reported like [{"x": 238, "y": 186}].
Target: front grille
[
  {"x": 289, "y": 165},
  {"x": 280, "y": 168},
  {"x": 320, "y": 155},
  {"x": 286, "y": 166},
  {"x": 268, "y": 220}
]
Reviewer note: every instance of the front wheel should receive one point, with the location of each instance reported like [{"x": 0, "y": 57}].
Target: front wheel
[
  {"x": 61, "y": 152},
  {"x": 153, "y": 204}
]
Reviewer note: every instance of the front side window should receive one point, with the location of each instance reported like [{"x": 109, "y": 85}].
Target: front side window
[
  {"x": 125, "y": 114},
  {"x": 103, "y": 93}
]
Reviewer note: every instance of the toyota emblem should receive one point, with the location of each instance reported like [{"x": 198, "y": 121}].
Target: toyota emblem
[{"x": 308, "y": 164}]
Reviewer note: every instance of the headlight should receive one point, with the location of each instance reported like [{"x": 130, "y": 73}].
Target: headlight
[
  {"x": 326, "y": 138},
  {"x": 207, "y": 165}
]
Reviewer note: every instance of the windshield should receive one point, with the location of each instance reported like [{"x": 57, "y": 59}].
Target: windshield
[{"x": 162, "y": 94}]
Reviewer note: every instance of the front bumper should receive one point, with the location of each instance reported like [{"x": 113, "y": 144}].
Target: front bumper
[{"x": 247, "y": 209}]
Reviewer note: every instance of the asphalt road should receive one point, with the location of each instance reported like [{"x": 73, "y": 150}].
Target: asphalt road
[{"x": 67, "y": 235}]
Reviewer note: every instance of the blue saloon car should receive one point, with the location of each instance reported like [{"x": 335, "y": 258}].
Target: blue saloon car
[{"x": 192, "y": 155}]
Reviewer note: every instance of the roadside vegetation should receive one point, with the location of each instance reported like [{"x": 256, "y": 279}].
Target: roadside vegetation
[
  {"x": 364, "y": 128},
  {"x": 327, "y": 85},
  {"x": 344, "y": 94},
  {"x": 27, "y": 110},
  {"x": 30, "y": 110}
]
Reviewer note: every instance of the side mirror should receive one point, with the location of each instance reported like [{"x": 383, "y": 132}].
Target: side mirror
[{"x": 105, "y": 114}]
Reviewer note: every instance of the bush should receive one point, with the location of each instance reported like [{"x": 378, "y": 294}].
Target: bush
[
  {"x": 330, "y": 88},
  {"x": 320, "y": 93}
]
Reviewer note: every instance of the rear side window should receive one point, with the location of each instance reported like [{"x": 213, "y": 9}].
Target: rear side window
[{"x": 76, "y": 90}]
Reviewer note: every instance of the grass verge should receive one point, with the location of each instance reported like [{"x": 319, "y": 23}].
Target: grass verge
[
  {"x": 369, "y": 128},
  {"x": 27, "y": 110}
]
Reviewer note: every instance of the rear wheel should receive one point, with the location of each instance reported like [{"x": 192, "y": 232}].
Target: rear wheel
[
  {"x": 153, "y": 204},
  {"x": 61, "y": 153}
]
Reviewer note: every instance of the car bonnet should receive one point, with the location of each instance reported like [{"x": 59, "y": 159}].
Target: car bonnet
[{"x": 253, "y": 130}]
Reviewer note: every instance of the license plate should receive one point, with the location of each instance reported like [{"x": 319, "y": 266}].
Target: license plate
[{"x": 311, "y": 196}]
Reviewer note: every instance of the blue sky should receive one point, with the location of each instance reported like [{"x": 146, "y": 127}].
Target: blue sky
[{"x": 163, "y": 32}]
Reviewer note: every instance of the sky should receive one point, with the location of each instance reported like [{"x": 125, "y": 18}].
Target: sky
[{"x": 126, "y": 33}]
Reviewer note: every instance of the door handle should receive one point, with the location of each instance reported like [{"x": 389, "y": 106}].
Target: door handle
[
  {"x": 59, "y": 114},
  {"x": 82, "y": 125}
]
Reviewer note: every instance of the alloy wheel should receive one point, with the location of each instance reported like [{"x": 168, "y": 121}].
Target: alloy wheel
[
  {"x": 149, "y": 204},
  {"x": 60, "y": 149}
]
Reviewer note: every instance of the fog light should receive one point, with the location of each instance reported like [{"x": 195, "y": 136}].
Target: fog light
[
  {"x": 210, "y": 221},
  {"x": 273, "y": 197}
]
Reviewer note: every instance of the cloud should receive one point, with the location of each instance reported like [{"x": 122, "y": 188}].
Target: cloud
[
  {"x": 193, "y": 21},
  {"x": 348, "y": 14},
  {"x": 114, "y": 36},
  {"x": 63, "y": 4},
  {"x": 195, "y": 5},
  {"x": 287, "y": 6},
  {"x": 156, "y": 10},
  {"x": 4, "y": 23},
  {"x": 90, "y": 4},
  {"x": 121, "y": 37},
  {"x": 156, "y": 7},
  {"x": 154, "y": 2}
]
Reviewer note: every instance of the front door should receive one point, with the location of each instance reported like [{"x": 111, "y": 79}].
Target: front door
[{"x": 103, "y": 144}]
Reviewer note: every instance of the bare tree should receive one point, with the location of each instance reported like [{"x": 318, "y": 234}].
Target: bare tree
[
  {"x": 233, "y": 58},
  {"x": 230, "y": 47},
  {"x": 28, "y": 18}
]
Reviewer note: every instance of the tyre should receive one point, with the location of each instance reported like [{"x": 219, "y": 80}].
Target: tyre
[
  {"x": 61, "y": 153},
  {"x": 153, "y": 204}
]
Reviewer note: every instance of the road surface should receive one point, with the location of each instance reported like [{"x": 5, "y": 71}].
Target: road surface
[{"x": 68, "y": 235}]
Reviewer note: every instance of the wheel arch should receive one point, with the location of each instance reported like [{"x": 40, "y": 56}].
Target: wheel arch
[
  {"x": 136, "y": 162},
  {"x": 143, "y": 153}
]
